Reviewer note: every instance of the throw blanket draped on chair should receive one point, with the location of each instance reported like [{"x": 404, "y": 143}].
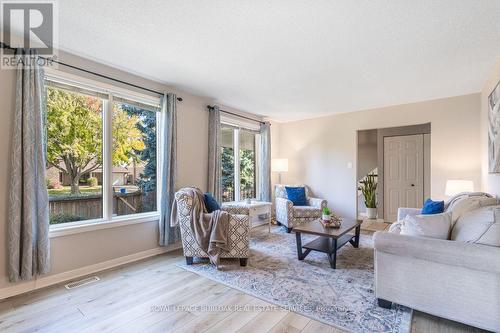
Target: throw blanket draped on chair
[{"x": 210, "y": 229}]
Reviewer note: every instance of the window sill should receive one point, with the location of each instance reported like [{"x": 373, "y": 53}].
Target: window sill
[{"x": 80, "y": 227}]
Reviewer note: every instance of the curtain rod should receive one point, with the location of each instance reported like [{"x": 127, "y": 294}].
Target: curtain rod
[
  {"x": 238, "y": 115},
  {"x": 5, "y": 46}
]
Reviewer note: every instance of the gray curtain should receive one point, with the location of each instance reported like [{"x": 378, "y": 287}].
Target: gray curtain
[
  {"x": 28, "y": 219},
  {"x": 214, "y": 155},
  {"x": 168, "y": 234},
  {"x": 265, "y": 165}
]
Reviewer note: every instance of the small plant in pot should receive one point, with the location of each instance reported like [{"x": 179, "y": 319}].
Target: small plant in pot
[
  {"x": 368, "y": 186},
  {"x": 326, "y": 214}
]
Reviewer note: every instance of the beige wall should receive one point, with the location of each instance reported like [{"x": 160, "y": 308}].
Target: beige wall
[
  {"x": 79, "y": 250},
  {"x": 275, "y": 147},
  {"x": 491, "y": 182},
  {"x": 319, "y": 156}
]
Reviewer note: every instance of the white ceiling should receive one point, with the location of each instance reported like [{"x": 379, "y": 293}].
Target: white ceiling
[{"x": 293, "y": 59}]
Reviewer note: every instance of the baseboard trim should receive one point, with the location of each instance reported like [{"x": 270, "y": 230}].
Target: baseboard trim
[{"x": 46, "y": 281}]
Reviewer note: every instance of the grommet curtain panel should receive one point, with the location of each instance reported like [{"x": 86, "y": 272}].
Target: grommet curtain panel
[
  {"x": 168, "y": 123},
  {"x": 265, "y": 165},
  {"x": 28, "y": 218},
  {"x": 214, "y": 153}
]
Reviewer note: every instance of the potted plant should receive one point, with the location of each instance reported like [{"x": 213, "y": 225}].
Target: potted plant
[
  {"x": 368, "y": 186},
  {"x": 326, "y": 214}
]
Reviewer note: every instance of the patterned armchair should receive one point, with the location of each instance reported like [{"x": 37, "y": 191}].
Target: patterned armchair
[
  {"x": 238, "y": 238},
  {"x": 289, "y": 215}
]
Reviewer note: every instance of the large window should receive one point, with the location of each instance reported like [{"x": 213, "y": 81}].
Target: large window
[
  {"x": 101, "y": 153},
  {"x": 239, "y": 179}
]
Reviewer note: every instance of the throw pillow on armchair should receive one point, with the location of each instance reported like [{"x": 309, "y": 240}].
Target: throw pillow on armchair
[
  {"x": 210, "y": 203},
  {"x": 297, "y": 195}
]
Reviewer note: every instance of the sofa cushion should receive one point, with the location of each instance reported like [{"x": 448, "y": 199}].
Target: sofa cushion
[
  {"x": 432, "y": 207},
  {"x": 433, "y": 226},
  {"x": 297, "y": 195},
  {"x": 468, "y": 204},
  {"x": 306, "y": 211},
  {"x": 481, "y": 226}
]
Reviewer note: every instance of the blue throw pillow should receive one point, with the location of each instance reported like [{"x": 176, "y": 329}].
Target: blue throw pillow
[
  {"x": 433, "y": 207},
  {"x": 210, "y": 203},
  {"x": 297, "y": 195}
]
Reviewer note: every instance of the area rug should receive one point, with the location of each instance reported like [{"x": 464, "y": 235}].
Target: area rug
[{"x": 343, "y": 298}]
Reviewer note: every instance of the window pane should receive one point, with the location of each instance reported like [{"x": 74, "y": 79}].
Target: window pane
[
  {"x": 227, "y": 164},
  {"x": 74, "y": 156},
  {"x": 247, "y": 165},
  {"x": 134, "y": 159}
]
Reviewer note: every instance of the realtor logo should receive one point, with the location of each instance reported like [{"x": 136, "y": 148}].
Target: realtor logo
[{"x": 28, "y": 25}]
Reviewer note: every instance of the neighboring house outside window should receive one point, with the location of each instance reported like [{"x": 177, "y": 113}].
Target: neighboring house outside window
[{"x": 101, "y": 152}]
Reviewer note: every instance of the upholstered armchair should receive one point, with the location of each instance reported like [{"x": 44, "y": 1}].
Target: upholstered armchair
[
  {"x": 238, "y": 238},
  {"x": 289, "y": 215}
]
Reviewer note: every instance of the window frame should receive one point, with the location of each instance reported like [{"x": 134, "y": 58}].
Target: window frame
[
  {"x": 236, "y": 127},
  {"x": 108, "y": 220}
]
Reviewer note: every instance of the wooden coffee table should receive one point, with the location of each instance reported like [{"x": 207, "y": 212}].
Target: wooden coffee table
[{"x": 330, "y": 240}]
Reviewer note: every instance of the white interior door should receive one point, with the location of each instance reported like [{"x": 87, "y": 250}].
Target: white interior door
[{"x": 403, "y": 174}]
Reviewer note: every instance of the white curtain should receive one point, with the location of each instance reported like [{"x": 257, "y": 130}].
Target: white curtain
[
  {"x": 168, "y": 124},
  {"x": 28, "y": 219}
]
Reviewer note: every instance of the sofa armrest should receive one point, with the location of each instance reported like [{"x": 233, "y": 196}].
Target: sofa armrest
[
  {"x": 317, "y": 202},
  {"x": 447, "y": 252},
  {"x": 282, "y": 202},
  {"x": 402, "y": 212}
]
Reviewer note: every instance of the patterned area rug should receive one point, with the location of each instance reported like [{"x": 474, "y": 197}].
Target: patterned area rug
[{"x": 343, "y": 298}]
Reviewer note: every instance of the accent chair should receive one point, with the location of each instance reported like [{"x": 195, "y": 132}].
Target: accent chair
[
  {"x": 238, "y": 237},
  {"x": 289, "y": 215}
]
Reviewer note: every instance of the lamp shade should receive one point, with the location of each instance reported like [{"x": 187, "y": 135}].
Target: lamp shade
[
  {"x": 455, "y": 186},
  {"x": 279, "y": 164}
]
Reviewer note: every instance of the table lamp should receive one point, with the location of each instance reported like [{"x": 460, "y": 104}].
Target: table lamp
[
  {"x": 279, "y": 165},
  {"x": 456, "y": 186}
]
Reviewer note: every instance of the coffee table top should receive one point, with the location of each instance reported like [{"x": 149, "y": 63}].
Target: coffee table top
[{"x": 316, "y": 228}]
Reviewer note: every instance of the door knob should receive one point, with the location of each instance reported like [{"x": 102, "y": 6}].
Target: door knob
[{"x": 412, "y": 185}]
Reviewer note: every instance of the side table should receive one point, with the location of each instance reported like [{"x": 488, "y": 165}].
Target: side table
[{"x": 258, "y": 211}]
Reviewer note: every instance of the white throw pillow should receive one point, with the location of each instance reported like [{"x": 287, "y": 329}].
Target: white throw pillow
[
  {"x": 395, "y": 227},
  {"x": 462, "y": 207},
  {"x": 432, "y": 226},
  {"x": 468, "y": 204},
  {"x": 480, "y": 226}
]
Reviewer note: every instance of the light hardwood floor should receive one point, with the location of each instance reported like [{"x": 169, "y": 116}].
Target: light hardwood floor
[{"x": 134, "y": 298}]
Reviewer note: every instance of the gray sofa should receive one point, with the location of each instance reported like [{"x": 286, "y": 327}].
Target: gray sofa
[{"x": 457, "y": 279}]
